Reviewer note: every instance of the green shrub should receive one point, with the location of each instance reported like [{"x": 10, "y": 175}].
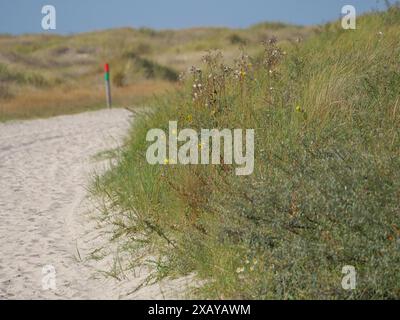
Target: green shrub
[
  {"x": 150, "y": 69},
  {"x": 236, "y": 39}
]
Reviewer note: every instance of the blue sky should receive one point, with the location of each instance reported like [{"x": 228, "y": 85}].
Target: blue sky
[{"x": 24, "y": 16}]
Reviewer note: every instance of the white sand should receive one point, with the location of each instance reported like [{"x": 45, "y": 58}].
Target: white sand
[{"x": 45, "y": 167}]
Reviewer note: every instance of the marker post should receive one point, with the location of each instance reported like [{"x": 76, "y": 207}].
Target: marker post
[{"x": 108, "y": 88}]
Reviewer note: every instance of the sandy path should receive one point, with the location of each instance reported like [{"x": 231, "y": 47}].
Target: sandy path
[{"x": 45, "y": 166}]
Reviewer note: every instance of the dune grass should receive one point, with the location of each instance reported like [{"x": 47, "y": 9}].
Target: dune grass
[
  {"x": 44, "y": 75},
  {"x": 326, "y": 188}
]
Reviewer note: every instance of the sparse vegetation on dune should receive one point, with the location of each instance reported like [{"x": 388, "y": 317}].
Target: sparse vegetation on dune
[
  {"x": 37, "y": 70},
  {"x": 326, "y": 188},
  {"x": 32, "y": 103}
]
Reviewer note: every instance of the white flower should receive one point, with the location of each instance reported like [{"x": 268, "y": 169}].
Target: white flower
[{"x": 240, "y": 270}]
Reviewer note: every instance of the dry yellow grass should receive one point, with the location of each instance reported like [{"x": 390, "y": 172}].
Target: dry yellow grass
[{"x": 45, "y": 103}]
